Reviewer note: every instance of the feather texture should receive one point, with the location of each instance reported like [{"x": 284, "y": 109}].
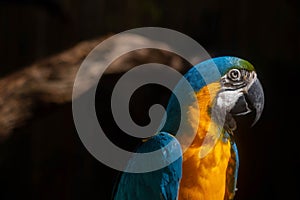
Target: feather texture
[
  {"x": 159, "y": 184},
  {"x": 208, "y": 169}
]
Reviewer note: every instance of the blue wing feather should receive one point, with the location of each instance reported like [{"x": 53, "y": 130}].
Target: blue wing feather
[
  {"x": 232, "y": 171},
  {"x": 159, "y": 184}
]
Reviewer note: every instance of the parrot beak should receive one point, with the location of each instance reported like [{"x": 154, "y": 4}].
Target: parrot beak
[
  {"x": 256, "y": 99},
  {"x": 251, "y": 101}
]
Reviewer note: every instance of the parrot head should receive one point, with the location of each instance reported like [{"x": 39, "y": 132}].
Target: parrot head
[
  {"x": 240, "y": 92},
  {"x": 234, "y": 91}
]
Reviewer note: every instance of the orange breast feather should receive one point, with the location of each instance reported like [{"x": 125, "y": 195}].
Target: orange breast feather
[{"x": 205, "y": 163}]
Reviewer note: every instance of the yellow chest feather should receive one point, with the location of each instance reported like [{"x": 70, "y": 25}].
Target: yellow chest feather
[
  {"x": 204, "y": 175},
  {"x": 205, "y": 178}
]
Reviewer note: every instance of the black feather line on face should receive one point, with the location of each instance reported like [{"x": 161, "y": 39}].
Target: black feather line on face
[{"x": 230, "y": 84}]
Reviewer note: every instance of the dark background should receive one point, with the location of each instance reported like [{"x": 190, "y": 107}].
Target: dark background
[{"x": 44, "y": 159}]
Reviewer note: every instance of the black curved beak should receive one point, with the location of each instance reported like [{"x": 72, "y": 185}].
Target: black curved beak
[{"x": 252, "y": 100}]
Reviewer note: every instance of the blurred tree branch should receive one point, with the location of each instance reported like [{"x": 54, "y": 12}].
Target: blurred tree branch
[
  {"x": 46, "y": 81},
  {"x": 50, "y": 81}
]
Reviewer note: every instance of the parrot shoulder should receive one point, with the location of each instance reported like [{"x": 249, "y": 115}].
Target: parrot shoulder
[{"x": 159, "y": 184}]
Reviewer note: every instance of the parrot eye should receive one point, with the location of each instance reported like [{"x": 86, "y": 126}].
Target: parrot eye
[{"x": 234, "y": 74}]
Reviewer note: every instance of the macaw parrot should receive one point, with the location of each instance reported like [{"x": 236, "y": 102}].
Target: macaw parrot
[{"x": 192, "y": 176}]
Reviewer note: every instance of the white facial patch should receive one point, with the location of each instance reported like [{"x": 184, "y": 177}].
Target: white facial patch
[{"x": 227, "y": 99}]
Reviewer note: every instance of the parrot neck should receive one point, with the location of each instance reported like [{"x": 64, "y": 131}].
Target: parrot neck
[
  {"x": 208, "y": 130},
  {"x": 205, "y": 161}
]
